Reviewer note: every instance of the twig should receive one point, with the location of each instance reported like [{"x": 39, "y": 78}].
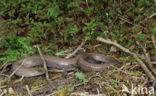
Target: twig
[
  {"x": 3, "y": 86},
  {"x": 52, "y": 94},
  {"x": 147, "y": 57},
  {"x": 145, "y": 82},
  {"x": 3, "y": 67},
  {"x": 44, "y": 63},
  {"x": 64, "y": 53},
  {"x": 153, "y": 40},
  {"x": 115, "y": 44},
  {"x": 149, "y": 17},
  {"x": 116, "y": 18},
  {"x": 143, "y": 66},
  {"x": 16, "y": 69},
  {"x": 28, "y": 90},
  {"x": 19, "y": 79},
  {"x": 107, "y": 84},
  {"x": 82, "y": 94},
  {"x": 87, "y": 4},
  {"x": 125, "y": 20},
  {"x": 2, "y": 94},
  {"x": 77, "y": 49}
]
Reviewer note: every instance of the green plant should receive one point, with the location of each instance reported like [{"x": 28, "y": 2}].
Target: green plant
[
  {"x": 143, "y": 3},
  {"x": 81, "y": 77},
  {"x": 113, "y": 83},
  {"x": 154, "y": 31},
  {"x": 59, "y": 87},
  {"x": 70, "y": 89},
  {"x": 56, "y": 25}
]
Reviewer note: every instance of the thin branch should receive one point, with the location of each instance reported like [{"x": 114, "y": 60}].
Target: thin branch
[
  {"x": 107, "y": 84},
  {"x": 149, "y": 17},
  {"x": 19, "y": 79},
  {"x": 16, "y": 69},
  {"x": 44, "y": 62},
  {"x": 153, "y": 40},
  {"x": 125, "y": 20},
  {"x": 3, "y": 67},
  {"x": 110, "y": 26},
  {"x": 147, "y": 57},
  {"x": 143, "y": 66},
  {"x": 87, "y": 4},
  {"x": 77, "y": 49},
  {"x": 115, "y": 44},
  {"x": 28, "y": 90}
]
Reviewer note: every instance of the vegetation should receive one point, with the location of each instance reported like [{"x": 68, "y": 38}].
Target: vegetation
[{"x": 57, "y": 25}]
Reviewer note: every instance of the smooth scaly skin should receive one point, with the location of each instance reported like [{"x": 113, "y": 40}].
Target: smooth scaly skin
[
  {"x": 51, "y": 61},
  {"x": 62, "y": 63},
  {"x": 87, "y": 66}
]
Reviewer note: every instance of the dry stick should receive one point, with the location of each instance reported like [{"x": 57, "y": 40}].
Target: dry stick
[
  {"x": 153, "y": 40},
  {"x": 110, "y": 26},
  {"x": 2, "y": 94},
  {"x": 143, "y": 66},
  {"x": 149, "y": 17},
  {"x": 77, "y": 49},
  {"x": 125, "y": 19},
  {"x": 107, "y": 84},
  {"x": 147, "y": 57},
  {"x": 3, "y": 67},
  {"x": 28, "y": 90},
  {"x": 19, "y": 79},
  {"x": 44, "y": 63},
  {"x": 16, "y": 69},
  {"x": 87, "y": 4}
]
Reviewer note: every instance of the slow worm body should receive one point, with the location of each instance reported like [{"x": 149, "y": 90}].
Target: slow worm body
[{"x": 86, "y": 61}]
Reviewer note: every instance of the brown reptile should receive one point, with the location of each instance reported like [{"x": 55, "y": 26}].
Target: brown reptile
[{"x": 86, "y": 61}]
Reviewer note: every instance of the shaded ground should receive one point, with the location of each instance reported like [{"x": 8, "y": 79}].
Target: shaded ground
[{"x": 109, "y": 82}]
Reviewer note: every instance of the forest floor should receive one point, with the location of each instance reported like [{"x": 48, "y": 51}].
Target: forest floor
[{"x": 125, "y": 30}]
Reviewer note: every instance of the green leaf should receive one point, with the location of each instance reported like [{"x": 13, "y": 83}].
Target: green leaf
[
  {"x": 59, "y": 88},
  {"x": 141, "y": 37},
  {"x": 70, "y": 89},
  {"x": 81, "y": 77},
  {"x": 23, "y": 42},
  {"x": 154, "y": 31}
]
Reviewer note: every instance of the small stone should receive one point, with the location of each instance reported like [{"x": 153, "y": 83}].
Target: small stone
[
  {"x": 11, "y": 91},
  {"x": 5, "y": 91},
  {"x": 113, "y": 49}
]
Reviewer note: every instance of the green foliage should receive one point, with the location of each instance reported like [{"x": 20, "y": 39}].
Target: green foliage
[
  {"x": 154, "y": 30},
  {"x": 141, "y": 37},
  {"x": 59, "y": 87},
  {"x": 143, "y": 3},
  {"x": 70, "y": 89},
  {"x": 90, "y": 27},
  {"x": 56, "y": 25},
  {"x": 25, "y": 45},
  {"x": 81, "y": 77},
  {"x": 114, "y": 83}
]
